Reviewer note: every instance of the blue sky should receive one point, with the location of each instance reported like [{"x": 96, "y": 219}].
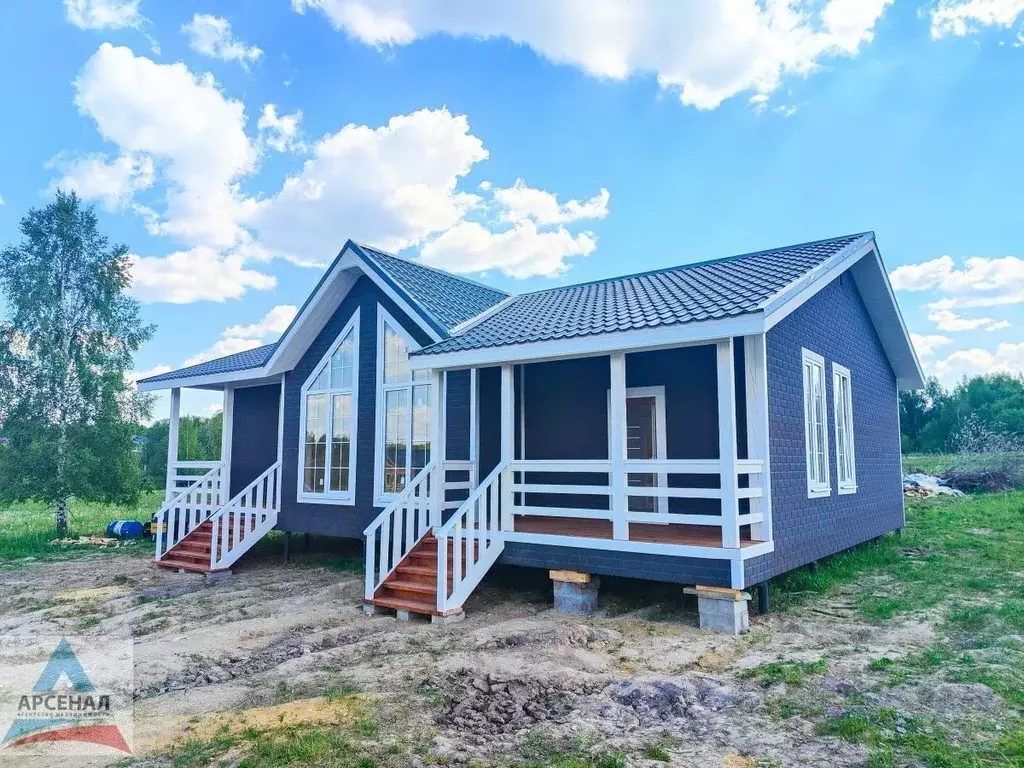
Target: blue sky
[{"x": 236, "y": 146}]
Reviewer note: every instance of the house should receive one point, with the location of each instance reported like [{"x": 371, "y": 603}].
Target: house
[{"x": 712, "y": 424}]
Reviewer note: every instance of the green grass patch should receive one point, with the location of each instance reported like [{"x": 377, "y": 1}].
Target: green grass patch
[
  {"x": 28, "y": 529},
  {"x": 938, "y": 463},
  {"x": 789, "y": 672},
  {"x": 657, "y": 753}
]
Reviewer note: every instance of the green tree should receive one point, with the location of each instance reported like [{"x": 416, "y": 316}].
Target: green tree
[{"x": 67, "y": 416}]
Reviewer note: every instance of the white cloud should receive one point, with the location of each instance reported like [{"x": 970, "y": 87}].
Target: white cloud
[
  {"x": 949, "y": 321},
  {"x": 962, "y": 17},
  {"x": 705, "y": 50},
  {"x": 280, "y": 132},
  {"x": 1, "y": 199},
  {"x": 186, "y": 124},
  {"x": 522, "y": 251},
  {"x": 272, "y": 325},
  {"x": 926, "y": 345},
  {"x": 211, "y": 36},
  {"x": 1007, "y": 358},
  {"x": 103, "y": 14},
  {"x": 199, "y": 274},
  {"x": 133, "y": 376},
  {"x": 520, "y": 202},
  {"x": 94, "y": 177},
  {"x": 787, "y": 110},
  {"x": 223, "y": 348},
  {"x": 392, "y": 186}
]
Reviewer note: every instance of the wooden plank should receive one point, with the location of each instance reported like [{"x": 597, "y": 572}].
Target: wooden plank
[{"x": 574, "y": 577}]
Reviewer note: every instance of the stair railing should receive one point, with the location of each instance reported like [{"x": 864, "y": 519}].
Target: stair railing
[
  {"x": 399, "y": 528},
  {"x": 188, "y": 509},
  {"x": 476, "y": 540},
  {"x": 246, "y": 519}
]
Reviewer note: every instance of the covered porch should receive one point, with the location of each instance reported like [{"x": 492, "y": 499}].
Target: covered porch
[{"x": 659, "y": 451}]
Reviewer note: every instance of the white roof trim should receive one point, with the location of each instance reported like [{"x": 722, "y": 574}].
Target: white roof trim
[
  {"x": 477, "y": 319},
  {"x": 247, "y": 377}
]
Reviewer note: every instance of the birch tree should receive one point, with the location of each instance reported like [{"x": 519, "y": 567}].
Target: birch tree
[{"x": 67, "y": 415}]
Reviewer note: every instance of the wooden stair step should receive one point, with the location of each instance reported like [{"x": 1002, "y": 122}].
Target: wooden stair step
[
  {"x": 185, "y": 565},
  {"x": 401, "y": 585},
  {"x": 412, "y": 606}
]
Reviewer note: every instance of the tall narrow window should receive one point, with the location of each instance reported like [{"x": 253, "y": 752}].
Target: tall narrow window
[
  {"x": 404, "y": 412},
  {"x": 842, "y": 398},
  {"x": 327, "y": 415},
  {"x": 815, "y": 424}
]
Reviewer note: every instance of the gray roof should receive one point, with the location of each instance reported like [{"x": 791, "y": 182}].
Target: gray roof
[
  {"x": 709, "y": 290},
  {"x": 448, "y": 299},
  {"x": 240, "y": 361}
]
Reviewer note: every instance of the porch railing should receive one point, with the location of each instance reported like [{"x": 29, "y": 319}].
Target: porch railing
[
  {"x": 184, "y": 473},
  {"x": 398, "y": 528},
  {"x": 189, "y": 508},
  {"x": 245, "y": 519},
  {"x": 474, "y": 540},
  {"x": 584, "y": 490}
]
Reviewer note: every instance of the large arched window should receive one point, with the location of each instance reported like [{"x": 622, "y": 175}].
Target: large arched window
[
  {"x": 403, "y": 411},
  {"x": 327, "y": 458}
]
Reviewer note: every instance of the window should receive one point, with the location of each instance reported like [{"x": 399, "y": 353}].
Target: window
[
  {"x": 842, "y": 398},
  {"x": 815, "y": 428},
  {"x": 327, "y": 414},
  {"x": 403, "y": 420}
]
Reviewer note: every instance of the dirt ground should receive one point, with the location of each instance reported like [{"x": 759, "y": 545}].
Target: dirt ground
[{"x": 264, "y": 646}]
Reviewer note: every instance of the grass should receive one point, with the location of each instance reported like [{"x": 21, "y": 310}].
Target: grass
[
  {"x": 789, "y": 672},
  {"x": 957, "y": 563},
  {"x": 937, "y": 463},
  {"x": 27, "y": 529}
]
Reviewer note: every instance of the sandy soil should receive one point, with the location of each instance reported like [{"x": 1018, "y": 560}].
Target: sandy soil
[{"x": 209, "y": 653}]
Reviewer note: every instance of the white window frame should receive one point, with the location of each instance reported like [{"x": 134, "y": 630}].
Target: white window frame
[
  {"x": 380, "y": 498},
  {"x": 816, "y": 488},
  {"x": 347, "y": 498},
  {"x": 661, "y": 435},
  {"x": 849, "y": 484}
]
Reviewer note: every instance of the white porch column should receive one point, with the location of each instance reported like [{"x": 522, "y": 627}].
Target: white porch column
[
  {"x": 227, "y": 428},
  {"x": 727, "y": 444},
  {"x": 756, "y": 370},
  {"x": 474, "y": 427},
  {"x": 172, "y": 444},
  {"x": 280, "y": 446},
  {"x": 438, "y": 402},
  {"x": 617, "y": 445},
  {"x": 508, "y": 443}
]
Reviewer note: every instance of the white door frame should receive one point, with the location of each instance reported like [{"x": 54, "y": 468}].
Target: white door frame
[{"x": 658, "y": 393}]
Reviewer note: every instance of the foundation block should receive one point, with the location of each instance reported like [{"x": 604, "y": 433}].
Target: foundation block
[
  {"x": 575, "y": 593},
  {"x": 723, "y": 610}
]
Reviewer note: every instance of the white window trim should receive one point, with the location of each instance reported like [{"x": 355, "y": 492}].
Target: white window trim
[
  {"x": 815, "y": 491},
  {"x": 660, "y": 427},
  {"x": 347, "y": 498},
  {"x": 849, "y": 486},
  {"x": 380, "y": 498}
]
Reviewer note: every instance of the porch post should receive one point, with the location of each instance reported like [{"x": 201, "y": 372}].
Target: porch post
[
  {"x": 172, "y": 444},
  {"x": 754, "y": 361},
  {"x": 474, "y": 426},
  {"x": 438, "y": 400},
  {"x": 280, "y": 446},
  {"x": 224, "y": 490},
  {"x": 617, "y": 445},
  {"x": 508, "y": 443},
  {"x": 727, "y": 444}
]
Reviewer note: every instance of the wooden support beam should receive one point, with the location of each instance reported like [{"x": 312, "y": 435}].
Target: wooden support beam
[
  {"x": 727, "y": 444},
  {"x": 172, "y": 443},
  {"x": 756, "y": 380},
  {"x": 438, "y": 399},
  {"x": 227, "y": 427},
  {"x": 508, "y": 443},
  {"x": 617, "y": 444}
]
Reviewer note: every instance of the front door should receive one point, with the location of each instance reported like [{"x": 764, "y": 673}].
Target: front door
[{"x": 642, "y": 443}]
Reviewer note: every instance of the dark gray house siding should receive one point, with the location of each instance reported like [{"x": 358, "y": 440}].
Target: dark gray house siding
[
  {"x": 349, "y": 520},
  {"x": 253, "y": 434},
  {"x": 835, "y": 324}
]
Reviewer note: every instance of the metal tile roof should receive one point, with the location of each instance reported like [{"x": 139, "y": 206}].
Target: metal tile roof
[
  {"x": 689, "y": 293},
  {"x": 447, "y": 298},
  {"x": 240, "y": 361}
]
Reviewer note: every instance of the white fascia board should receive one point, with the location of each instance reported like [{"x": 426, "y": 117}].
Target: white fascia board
[
  {"x": 683, "y": 334},
  {"x": 781, "y": 305},
  {"x": 250, "y": 377},
  {"x": 918, "y": 380}
]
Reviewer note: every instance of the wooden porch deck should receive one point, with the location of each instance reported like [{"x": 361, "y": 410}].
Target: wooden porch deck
[{"x": 671, "y": 533}]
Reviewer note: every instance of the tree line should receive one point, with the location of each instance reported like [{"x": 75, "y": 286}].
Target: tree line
[{"x": 984, "y": 414}]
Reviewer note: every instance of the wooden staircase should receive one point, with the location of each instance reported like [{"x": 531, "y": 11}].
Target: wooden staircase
[
  {"x": 192, "y": 553},
  {"x": 412, "y": 586}
]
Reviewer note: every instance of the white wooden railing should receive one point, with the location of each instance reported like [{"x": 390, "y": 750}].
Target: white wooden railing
[
  {"x": 399, "y": 528},
  {"x": 188, "y": 509},
  {"x": 530, "y": 479},
  {"x": 246, "y": 518},
  {"x": 463, "y": 467},
  {"x": 183, "y": 474},
  {"x": 475, "y": 533}
]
